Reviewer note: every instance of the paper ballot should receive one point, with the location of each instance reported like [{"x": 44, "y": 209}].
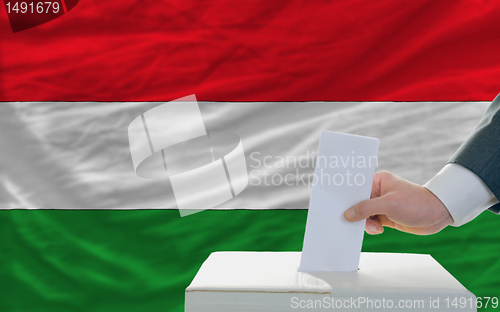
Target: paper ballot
[{"x": 343, "y": 176}]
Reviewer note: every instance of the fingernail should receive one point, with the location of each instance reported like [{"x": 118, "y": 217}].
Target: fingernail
[
  {"x": 351, "y": 214},
  {"x": 373, "y": 228}
]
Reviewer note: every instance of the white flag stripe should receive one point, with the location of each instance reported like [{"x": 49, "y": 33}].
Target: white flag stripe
[{"x": 77, "y": 155}]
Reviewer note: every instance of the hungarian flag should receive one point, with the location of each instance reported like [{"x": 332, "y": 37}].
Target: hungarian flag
[{"x": 90, "y": 193}]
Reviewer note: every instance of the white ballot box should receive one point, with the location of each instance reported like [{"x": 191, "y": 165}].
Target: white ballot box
[
  {"x": 271, "y": 282},
  {"x": 326, "y": 275}
]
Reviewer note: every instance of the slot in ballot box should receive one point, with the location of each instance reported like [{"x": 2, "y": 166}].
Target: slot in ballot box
[{"x": 271, "y": 282}]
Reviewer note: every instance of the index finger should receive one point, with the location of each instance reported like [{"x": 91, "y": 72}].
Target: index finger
[{"x": 367, "y": 208}]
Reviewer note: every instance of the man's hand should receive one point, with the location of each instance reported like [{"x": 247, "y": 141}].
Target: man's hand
[{"x": 402, "y": 205}]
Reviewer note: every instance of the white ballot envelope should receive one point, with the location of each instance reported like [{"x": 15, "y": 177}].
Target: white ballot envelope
[{"x": 343, "y": 176}]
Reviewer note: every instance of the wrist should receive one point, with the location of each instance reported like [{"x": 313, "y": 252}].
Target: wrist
[{"x": 442, "y": 215}]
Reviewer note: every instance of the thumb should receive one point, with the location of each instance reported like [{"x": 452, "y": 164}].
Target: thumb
[{"x": 367, "y": 208}]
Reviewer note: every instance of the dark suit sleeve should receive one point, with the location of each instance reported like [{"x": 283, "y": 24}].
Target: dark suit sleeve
[{"x": 480, "y": 153}]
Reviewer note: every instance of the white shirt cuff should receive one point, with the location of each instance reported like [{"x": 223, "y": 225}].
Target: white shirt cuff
[{"x": 462, "y": 192}]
